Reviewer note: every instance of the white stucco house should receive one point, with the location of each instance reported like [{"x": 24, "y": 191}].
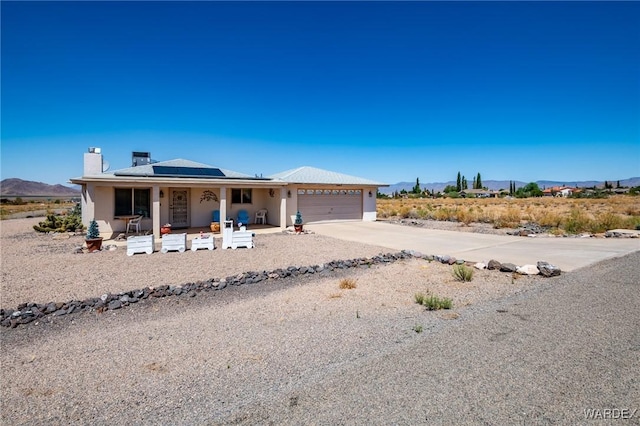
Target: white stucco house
[{"x": 186, "y": 194}]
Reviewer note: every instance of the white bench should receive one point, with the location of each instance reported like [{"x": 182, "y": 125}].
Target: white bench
[{"x": 174, "y": 242}]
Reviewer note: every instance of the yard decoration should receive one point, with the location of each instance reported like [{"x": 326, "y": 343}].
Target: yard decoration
[
  {"x": 208, "y": 195},
  {"x": 93, "y": 238},
  {"x": 297, "y": 224},
  {"x": 165, "y": 229}
]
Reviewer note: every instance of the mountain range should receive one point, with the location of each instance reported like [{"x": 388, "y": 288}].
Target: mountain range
[
  {"x": 504, "y": 184},
  {"x": 14, "y": 187}
]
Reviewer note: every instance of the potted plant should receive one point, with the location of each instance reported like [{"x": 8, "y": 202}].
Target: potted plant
[
  {"x": 93, "y": 239},
  {"x": 165, "y": 229},
  {"x": 297, "y": 223}
]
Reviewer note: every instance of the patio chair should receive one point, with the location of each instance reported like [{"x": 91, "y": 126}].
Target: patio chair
[
  {"x": 243, "y": 217},
  {"x": 134, "y": 223},
  {"x": 261, "y": 217}
]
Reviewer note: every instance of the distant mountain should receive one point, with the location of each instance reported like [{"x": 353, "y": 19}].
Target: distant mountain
[
  {"x": 504, "y": 184},
  {"x": 24, "y": 188}
]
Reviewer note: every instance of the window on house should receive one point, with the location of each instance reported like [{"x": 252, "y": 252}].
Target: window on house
[
  {"x": 129, "y": 201},
  {"x": 241, "y": 195}
]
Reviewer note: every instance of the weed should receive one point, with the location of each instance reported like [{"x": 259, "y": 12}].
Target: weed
[
  {"x": 433, "y": 303},
  {"x": 463, "y": 273},
  {"x": 417, "y": 329},
  {"x": 347, "y": 283}
]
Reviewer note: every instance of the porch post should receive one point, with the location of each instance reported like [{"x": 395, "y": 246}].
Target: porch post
[
  {"x": 223, "y": 205},
  {"x": 155, "y": 215},
  {"x": 283, "y": 208}
]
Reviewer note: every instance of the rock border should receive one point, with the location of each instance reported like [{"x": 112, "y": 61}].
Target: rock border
[{"x": 26, "y": 313}]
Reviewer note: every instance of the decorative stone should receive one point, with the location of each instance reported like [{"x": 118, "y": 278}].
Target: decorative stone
[
  {"x": 548, "y": 270},
  {"x": 480, "y": 265},
  {"x": 508, "y": 267},
  {"x": 527, "y": 270},
  {"x": 494, "y": 265}
]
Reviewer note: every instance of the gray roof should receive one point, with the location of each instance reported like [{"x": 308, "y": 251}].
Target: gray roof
[
  {"x": 148, "y": 169},
  {"x": 312, "y": 175}
]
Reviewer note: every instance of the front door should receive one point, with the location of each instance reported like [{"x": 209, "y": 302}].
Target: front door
[{"x": 178, "y": 209}]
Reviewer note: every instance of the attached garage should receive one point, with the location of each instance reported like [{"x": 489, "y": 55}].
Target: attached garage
[
  {"x": 321, "y": 195},
  {"x": 330, "y": 204}
]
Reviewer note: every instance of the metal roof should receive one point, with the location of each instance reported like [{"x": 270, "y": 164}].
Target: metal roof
[{"x": 312, "y": 175}]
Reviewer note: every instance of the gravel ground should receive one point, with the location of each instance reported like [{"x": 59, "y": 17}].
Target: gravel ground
[{"x": 244, "y": 354}]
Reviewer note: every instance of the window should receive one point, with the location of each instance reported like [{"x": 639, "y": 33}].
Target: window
[
  {"x": 241, "y": 195},
  {"x": 130, "y": 201}
]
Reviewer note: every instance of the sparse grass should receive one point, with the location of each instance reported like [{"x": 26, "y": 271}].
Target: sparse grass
[
  {"x": 417, "y": 328},
  {"x": 463, "y": 273},
  {"x": 347, "y": 284},
  {"x": 6, "y": 210},
  {"x": 561, "y": 215},
  {"x": 433, "y": 303},
  {"x": 335, "y": 295}
]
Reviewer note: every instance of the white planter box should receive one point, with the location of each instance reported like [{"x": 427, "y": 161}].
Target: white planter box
[
  {"x": 203, "y": 242},
  {"x": 174, "y": 242},
  {"x": 140, "y": 244},
  {"x": 241, "y": 239}
]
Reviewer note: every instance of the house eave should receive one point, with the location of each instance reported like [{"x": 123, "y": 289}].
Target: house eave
[{"x": 175, "y": 181}]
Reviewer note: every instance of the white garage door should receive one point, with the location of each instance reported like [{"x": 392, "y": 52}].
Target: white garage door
[{"x": 330, "y": 204}]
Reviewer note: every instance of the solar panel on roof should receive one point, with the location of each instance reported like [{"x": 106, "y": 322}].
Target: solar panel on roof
[{"x": 187, "y": 171}]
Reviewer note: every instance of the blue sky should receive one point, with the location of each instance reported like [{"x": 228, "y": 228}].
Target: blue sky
[{"x": 386, "y": 91}]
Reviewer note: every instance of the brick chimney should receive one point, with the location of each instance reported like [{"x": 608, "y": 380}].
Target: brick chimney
[{"x": 93, "y": 162}]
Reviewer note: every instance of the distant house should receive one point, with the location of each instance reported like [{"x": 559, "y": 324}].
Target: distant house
[
  {"x": 186, "y": 194},
  {"x": 479, "y": 193},
  {"x": 560, "y": 191}
]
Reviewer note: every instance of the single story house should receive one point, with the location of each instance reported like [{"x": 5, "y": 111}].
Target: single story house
[
  {"x": 479, "y": 193},
  {"x": 186, "y": 194},
  {"x": 560, "y": 191}
]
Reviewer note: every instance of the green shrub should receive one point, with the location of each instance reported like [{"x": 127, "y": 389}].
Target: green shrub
[
  {"x": 433, "y": 303},
  {"x": 463, "y": 273},
  {"x": 61, "y": 223},
  {"x": 577, "y": 222}
]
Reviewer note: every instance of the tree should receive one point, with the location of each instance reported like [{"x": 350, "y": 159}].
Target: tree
[
  {"x": 474, "y": 183},
  {"x": 478, "y": 181},
  {"x": 529, "y": 190},
  {"x": 416, "y": 188},
  {"x": 464, "y": 183},
  {"x": 458, "y": 183}
]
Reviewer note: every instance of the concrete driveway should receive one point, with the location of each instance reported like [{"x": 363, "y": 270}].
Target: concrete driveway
[{"x": 566, "y": 253}]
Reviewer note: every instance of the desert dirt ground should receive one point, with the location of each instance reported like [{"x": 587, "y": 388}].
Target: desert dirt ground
[{"x": 162, "y": 360}]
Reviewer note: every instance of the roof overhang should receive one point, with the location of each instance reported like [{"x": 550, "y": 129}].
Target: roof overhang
[{"x": 175, "y": 181}]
